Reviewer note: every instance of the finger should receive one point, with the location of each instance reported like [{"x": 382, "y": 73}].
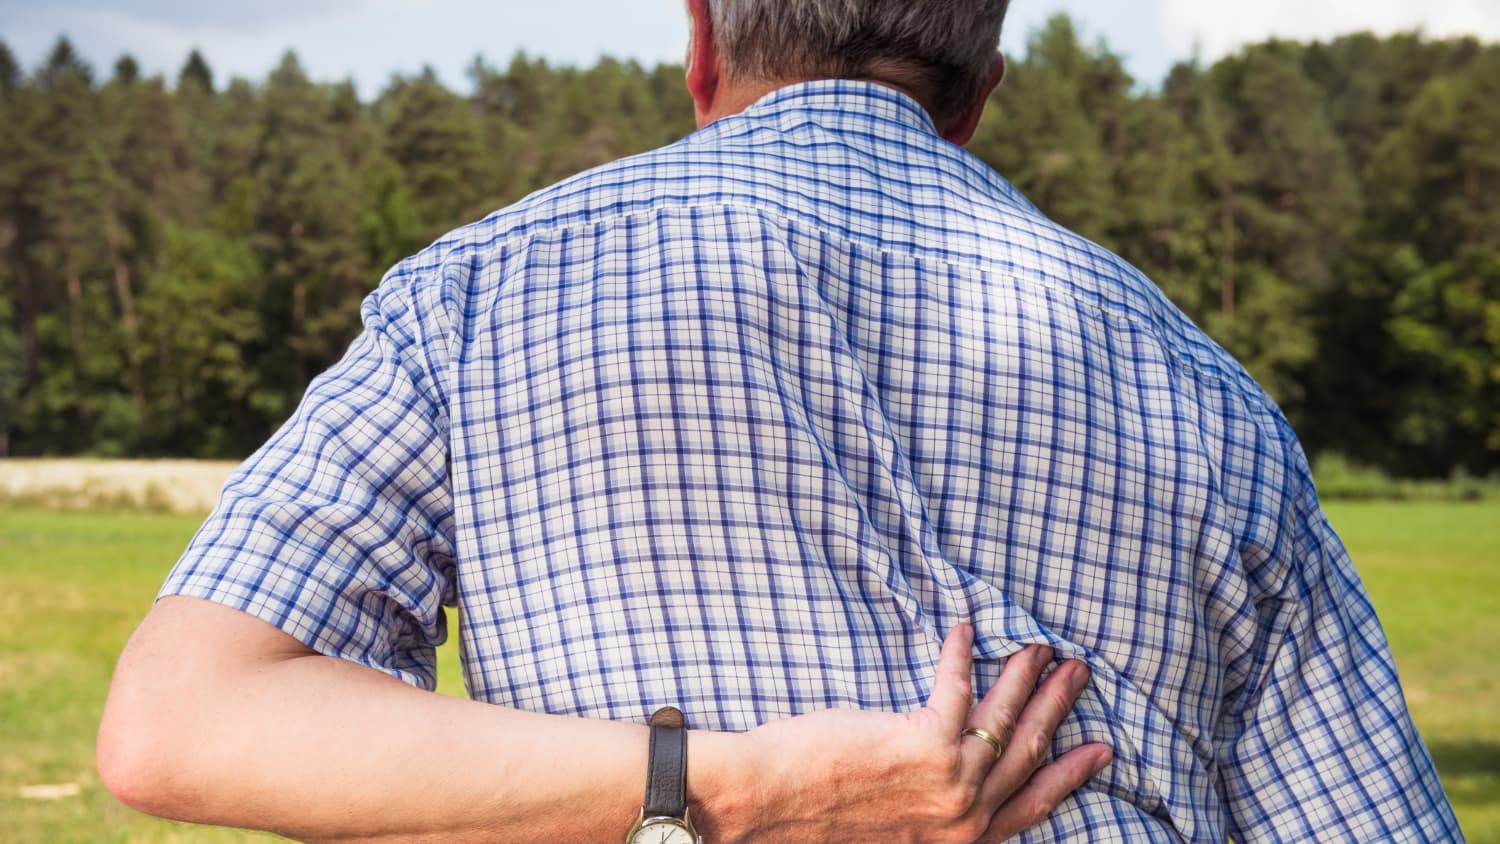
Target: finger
[
  {"x": 1000, "y": 709},
  {"x": 1032, "y": 737},
  {"x": 952, "y": 688},
  {"x": 1045, "y": 790}
]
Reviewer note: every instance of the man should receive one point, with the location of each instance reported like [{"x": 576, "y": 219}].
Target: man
[{"x": 742, "y": 426}]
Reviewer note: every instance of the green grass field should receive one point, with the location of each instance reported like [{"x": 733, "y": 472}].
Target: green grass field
[{"x": 73, "y": 586}]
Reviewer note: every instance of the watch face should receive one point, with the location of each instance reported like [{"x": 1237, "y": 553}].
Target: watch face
[{"x": 662, "y": 832}]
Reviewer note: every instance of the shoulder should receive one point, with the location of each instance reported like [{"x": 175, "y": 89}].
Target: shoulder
[
  {"x": 1181, "y": 380},
  {"x": 636, "y": 184},
  {"x": 1038, "y": 253}
]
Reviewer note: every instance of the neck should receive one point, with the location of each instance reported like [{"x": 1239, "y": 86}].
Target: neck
[{"x": 733, "y": 98}]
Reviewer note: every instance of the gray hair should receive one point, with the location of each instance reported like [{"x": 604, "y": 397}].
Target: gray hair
[{"x": 940, "y": 48}]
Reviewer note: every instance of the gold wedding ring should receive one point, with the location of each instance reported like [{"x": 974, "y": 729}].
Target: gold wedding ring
[{"x": 986, "y": 735}]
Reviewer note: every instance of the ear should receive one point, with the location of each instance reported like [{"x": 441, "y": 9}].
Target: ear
[
  {"x": 703, "y": 72},
  {"x": 961, "y": 130}
]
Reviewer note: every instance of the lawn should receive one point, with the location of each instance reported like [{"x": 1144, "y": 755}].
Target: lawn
[
  {"x": 72, "y": 586},
  {"x": 1433, "y": 571}
]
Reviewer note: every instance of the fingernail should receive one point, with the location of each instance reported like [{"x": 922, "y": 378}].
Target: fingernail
[
  {"x": 1105, "y": 757},
  {"x": 1042, "y": 655},
  {"x": 1080, "y": 679}
]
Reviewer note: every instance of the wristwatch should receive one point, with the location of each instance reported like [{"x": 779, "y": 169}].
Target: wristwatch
[{"x": 664, "y": 816}]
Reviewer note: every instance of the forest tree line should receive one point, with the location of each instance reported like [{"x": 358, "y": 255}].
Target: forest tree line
[{"x": 178, "y": 257}]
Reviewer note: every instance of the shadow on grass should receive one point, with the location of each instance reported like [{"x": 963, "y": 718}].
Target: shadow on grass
[{"x": 1471, "y": 770}]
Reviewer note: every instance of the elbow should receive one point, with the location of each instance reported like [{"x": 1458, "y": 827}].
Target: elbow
[
  {"x": 132, "y": 763},
  {"x": 150, "y": 737},
  {"x": 118, "y": 771},
  {"x": 161, "y": 747}
]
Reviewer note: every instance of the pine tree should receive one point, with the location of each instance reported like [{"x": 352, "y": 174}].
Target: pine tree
[
  {"x": 196, "y": 73},
  {"x": 14, "y": 361},
  {"x": 1201, "y": 272},
  {"x": 10, "y": 71},
  {"x": 1443, "y": 266},
  {"x": 1163, "y": 220},
  {"x": 127, "y": 71},
  {"x": 306, "y": 236},
  {"x": 1055, "y": 127},
  {"x": 436, "y": 138},
  {"x": 143, "y": 142},
  {"x": 1293, "y": 212},
  {"x": 70, "y": 372},
  {"x": 204, "y": 386}
]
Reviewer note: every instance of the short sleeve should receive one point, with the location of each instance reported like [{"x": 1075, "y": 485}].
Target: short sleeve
[
  {"x": 339, "y": 529},
  {"x": 1320, "y": 745}
]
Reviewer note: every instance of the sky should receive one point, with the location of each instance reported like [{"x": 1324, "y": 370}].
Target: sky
[{"x": 370, "y": 40}]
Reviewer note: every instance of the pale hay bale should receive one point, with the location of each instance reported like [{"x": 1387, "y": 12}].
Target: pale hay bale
[{"x": 180, "y": 486}]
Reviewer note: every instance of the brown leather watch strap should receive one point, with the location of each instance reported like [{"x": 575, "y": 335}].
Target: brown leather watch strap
[{"x": 666, "y": 769}]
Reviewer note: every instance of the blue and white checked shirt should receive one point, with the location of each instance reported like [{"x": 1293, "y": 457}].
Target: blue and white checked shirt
[{"x": 747, "y": 423}]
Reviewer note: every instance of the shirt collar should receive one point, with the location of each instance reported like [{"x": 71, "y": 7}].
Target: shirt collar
[{"x": 868, "y": 99}]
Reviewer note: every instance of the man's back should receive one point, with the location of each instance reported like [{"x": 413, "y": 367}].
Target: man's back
[{"x": 745, "y": 424}]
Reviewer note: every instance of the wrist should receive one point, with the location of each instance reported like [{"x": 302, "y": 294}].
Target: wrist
[{"x": 728, "y": 786}]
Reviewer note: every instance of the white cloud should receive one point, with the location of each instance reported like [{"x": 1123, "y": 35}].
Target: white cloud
[{"x": 1217, "y": 28}]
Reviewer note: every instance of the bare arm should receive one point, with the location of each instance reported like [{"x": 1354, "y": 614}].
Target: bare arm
[{"x": 216, "y": 717}]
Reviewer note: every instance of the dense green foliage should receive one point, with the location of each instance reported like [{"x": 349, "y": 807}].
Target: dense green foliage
[{"x": 177, "y": 260}]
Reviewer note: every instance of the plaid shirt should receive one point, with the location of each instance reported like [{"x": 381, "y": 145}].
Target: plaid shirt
[{"x": 745, "y": 424}]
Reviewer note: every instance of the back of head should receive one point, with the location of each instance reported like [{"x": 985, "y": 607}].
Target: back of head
[{"x": 939, "y": 49}]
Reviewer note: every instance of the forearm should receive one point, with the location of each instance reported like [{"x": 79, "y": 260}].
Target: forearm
[{"x": 323, "y": 749}]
